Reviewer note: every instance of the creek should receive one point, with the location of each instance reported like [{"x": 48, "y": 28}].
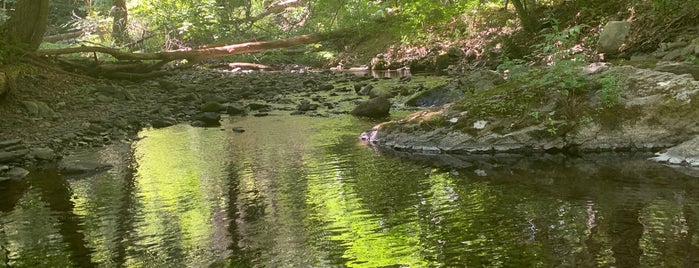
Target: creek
[{"x": 303, "y": 191}]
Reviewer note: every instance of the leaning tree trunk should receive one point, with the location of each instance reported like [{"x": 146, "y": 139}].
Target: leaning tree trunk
[
  {"x": 120, "y": 14},
  {"x": 27, "y": 25}
]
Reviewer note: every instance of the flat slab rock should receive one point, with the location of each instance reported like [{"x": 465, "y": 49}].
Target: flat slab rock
[
  {"x": 686, "y": 154},
  {"x": 82, "y": 169}
]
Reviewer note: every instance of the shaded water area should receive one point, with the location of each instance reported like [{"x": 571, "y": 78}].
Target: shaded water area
[{"x": 301, "y": 191}]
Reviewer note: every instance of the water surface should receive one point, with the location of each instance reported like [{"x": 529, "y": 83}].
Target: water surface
[{"x": 303, "y": 192}]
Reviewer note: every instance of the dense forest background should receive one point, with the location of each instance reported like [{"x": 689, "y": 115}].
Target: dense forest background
[{"x": 398, "y": 33}]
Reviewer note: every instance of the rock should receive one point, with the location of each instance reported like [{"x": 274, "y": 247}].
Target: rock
[
  {"x": 364, "y": 90},
  {"x": 31, "y": 107},
  {"x": 43, "y": 153},
  {"x": 686, "y": 153},
  {"x": 482, "y": 80},
  {"x": 435, "y": 97},
  {"x": 81, "y": 169},
  {"x": 104, "y": 99},
  {"x": 653, "y": 112},
  {"x": 306, "y": 105},
  {"x": 213, "y": 98},
  {"x": 238, "y": 129},
  {"x": 260, "y": 114},
  {"x": 212, "y": 106},
  {"x": 188, "y": 97},
  {"x": 326, "y": 87},
  {"x": 235, "y": 109},
  {"x": 642, "y": 57},
  {"x": 208, "y": 118},
  {"x": 672, "y": 45},
  {"x": 373, "y": 108},
  {"x": 378, "y": 92},
  {"x": 168, "y": 85},
  {"x": 16, "y": 173},
  {"x": 673, "y": 55},
  {"x": 679, "y": 68},
  {"x": 126, "y": 95},
  {"x": 613, "y": 36},
  {"x": 258, "y": 106},
  {"x": 162, "y": 122},
  {"x": 12, "y": 156},
  {"x": 452, "y": 56},
  {"x": 9, "y": 143}
]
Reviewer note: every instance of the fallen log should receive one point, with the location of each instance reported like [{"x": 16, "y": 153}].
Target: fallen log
[{"x": 198, "y": 55}]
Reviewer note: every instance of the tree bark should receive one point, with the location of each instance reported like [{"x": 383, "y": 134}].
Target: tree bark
[
  {"x": 27, "y": 25},
  {"x": 120, "y": 22},
  {"x": 524, "y": 9}
]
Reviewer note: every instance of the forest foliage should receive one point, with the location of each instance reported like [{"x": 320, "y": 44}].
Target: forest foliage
[{"x": 516, "y": 27}]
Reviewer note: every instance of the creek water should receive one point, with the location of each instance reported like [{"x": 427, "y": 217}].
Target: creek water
[{"x": 303, "y": 192}]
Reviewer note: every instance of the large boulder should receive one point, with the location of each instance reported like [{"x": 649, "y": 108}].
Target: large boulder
[
  {"x": 373, "y": 108},
  {"x": 613, "y": 36},
  {"x": 654, "y": 111}
]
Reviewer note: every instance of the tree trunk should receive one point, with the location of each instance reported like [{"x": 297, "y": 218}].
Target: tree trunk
[
  {"x": 524, "y": 9},
  {"x": 27, "y": 25},
  {"x": 120, "y": 14}
]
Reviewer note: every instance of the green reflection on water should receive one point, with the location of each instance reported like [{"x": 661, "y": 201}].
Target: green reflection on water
[
  {"x": 180, "y": 190},
  {"x": 299, "y": 191}
]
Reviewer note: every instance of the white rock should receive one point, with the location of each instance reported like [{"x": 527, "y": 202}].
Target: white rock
[{"x": 480, "y": 124}]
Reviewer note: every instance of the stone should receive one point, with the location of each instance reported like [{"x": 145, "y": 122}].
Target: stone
[
  {"x": 435, "y": 97},
  {"x": 642, "y": 57},
  {"x": 306, "y": 105},
  {"x": 213, "y": 98},
  {"x": 238, "y": 129},
  {"x": 679, "y": 68},
  {"x": 326, "y": 87},
  {"x": 613, "y": 36},
  {"x": 364, "y": 90},
  {"x": 82, "y": 169},
  {"x": 208, "y": 118},
  {"x": 43, "y": 153},
  {"x": 235, "y": 109},
  {"x": 212, "y": 106},
  {"x": 16, "y": 173},
  {"x": 672, "y": 45},
  {"x": 12, "y": 156},
  {"x": 373, "y": 108},
  {"x": 162, "y": 122},
  {"x": 31, "y": 107},
  {"x": 673, "y": 55},
  {"x": 9, "y": 143},
  {"x": 104, "y": 99},
  {"x": 480, "y": 124},
  {"x": 378, "y": 92},
  {"x": 258, "y": 106},
  {"x": 126, "y": 95}
]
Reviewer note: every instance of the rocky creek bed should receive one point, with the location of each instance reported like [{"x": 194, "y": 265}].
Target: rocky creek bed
[{"x": 49, "y": 116}]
